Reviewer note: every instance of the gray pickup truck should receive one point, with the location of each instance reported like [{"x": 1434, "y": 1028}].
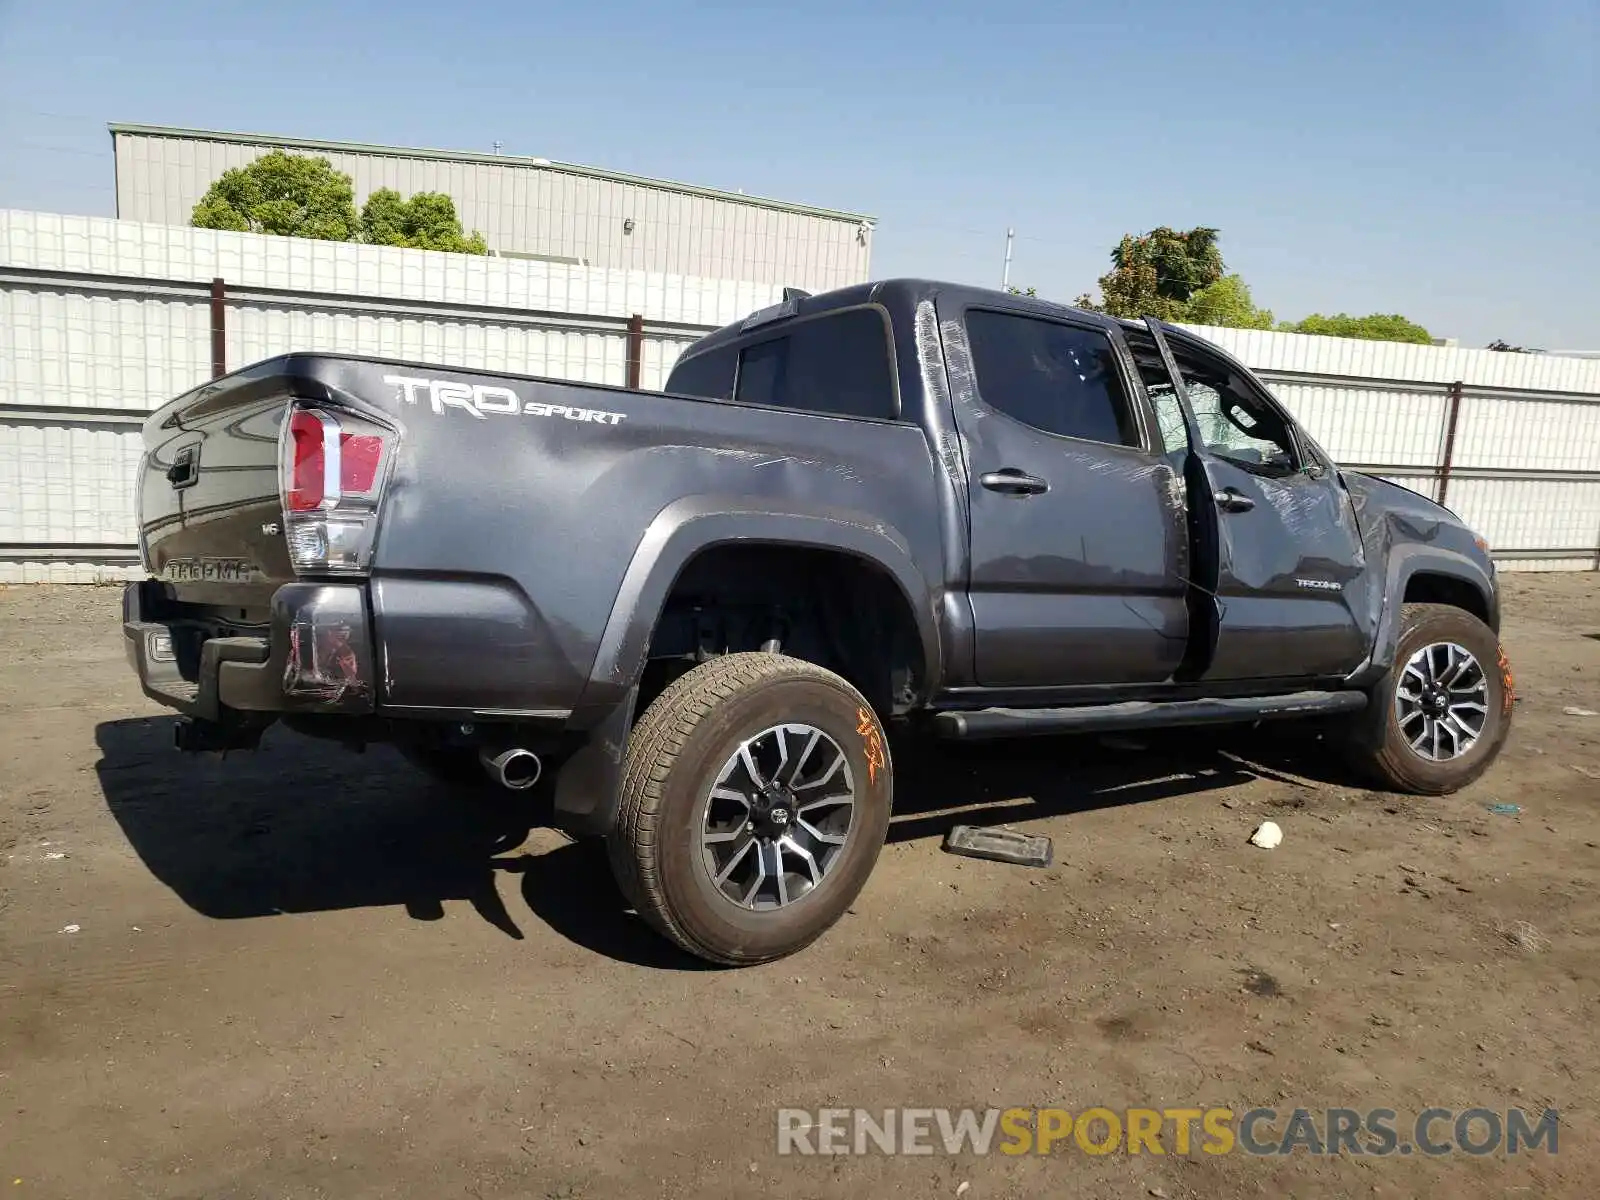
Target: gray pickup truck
[{"x": 697, "y": 612}]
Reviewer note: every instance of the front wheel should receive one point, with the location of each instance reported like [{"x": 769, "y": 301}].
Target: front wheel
[
  {"x": 755, "y": 799},
  {"x": 1437, "y": 720}
]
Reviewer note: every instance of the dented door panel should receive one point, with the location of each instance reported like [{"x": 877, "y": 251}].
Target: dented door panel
[
  {"x": 1277, "y": 545},
  {"x": 1082, "y": 583},
  {"x": 1291, "y": 578}
]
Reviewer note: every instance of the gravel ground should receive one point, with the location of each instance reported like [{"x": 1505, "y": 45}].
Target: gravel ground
[{"x": 304, "y": 972}]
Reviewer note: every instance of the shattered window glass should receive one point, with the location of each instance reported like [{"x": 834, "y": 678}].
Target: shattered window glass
[
  {"x": 1235, "y": 427},
  {"x": 1233, "y": 424}
]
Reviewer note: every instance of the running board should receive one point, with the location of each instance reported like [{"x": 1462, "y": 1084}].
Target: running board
[{"x": 1137, "y": 714}]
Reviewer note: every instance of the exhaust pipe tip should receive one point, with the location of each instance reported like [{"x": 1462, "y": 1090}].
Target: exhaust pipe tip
[{"x": 515, "y": 769}]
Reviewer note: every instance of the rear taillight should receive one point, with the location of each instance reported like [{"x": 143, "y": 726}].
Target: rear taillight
[{"x": 334, "y": 468}]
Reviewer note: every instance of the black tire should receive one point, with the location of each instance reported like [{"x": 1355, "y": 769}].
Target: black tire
[
  {"x": 674, "y": 756},
  {"x": 1377, "y": 746}
]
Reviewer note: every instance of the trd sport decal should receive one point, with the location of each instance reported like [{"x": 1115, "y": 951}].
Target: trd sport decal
[{"x": 480, "y": 399}]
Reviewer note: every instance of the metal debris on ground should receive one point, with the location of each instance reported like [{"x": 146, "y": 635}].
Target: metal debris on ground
[
  {"x": 1267, "y": 835},
  {"x": 1001, "y": 845}
]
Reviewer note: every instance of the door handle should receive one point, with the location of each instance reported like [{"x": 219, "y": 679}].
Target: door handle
[
  {"x": 1234, "y": 501},
  {"x": 1013, "y": 482},
  {"x": 185, "y": 470}
]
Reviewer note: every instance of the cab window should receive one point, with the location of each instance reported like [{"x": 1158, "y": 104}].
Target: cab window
[
  {"x": 1235, "y": 423},
  {"x": 838, "y": 364}
]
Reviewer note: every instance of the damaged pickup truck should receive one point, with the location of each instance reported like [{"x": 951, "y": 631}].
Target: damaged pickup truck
[{"x": 698, "y": 611}]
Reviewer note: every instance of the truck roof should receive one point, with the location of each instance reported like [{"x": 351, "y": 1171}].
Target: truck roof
[{"x": 902, "y": 294}]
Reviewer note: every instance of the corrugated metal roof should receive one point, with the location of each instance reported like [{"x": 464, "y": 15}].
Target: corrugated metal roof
[{"x": 467, "y": 156}]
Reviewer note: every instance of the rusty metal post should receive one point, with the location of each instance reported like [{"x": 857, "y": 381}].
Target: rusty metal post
[
  {"x": 1452, "y": 415},
  {"x": 635, "y": 349},
  {"x": 219, "y": 329}
]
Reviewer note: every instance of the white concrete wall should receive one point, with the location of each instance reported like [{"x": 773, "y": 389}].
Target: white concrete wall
[
  {"x": 102, "y": 321},
  {"x": 1525, "y": 464}
]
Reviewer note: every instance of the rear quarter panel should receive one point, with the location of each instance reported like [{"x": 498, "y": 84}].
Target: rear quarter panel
[{"x": 506, "y": 535}]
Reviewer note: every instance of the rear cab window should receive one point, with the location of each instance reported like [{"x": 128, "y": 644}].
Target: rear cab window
[
  {"x": 838, "y": 364},
  {"x": 709, "y": 374}
]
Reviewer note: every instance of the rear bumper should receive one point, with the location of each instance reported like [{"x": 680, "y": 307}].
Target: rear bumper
[{"x": 316, "y": 655}]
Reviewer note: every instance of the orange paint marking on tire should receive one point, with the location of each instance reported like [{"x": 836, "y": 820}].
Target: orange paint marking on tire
[
  {"x": 1508, "y": 681},
  {"x": 871, "y": 743}
]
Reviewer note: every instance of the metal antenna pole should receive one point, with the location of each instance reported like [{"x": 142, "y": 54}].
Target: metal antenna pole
[{"x": 1005, "y": 275}]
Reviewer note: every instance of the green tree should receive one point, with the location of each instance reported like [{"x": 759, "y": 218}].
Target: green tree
[
  {"x": 1016, "y": 291},
  {"x": 1156, "y": 273},
  {"x": 1227, "y": 302},
  {"x": 427, "y": 221},
  {"x": 1379, "y": 327},
  {"x": 291, "y": 194}
]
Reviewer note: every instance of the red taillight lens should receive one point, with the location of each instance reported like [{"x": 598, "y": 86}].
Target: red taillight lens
[
  {"x": 307, "y": 463},
  {"x": 359, "y": 457},
  {"x": 333, "y": 471}
]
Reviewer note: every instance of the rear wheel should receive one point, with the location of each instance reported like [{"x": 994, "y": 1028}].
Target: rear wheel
[
  {"x": 755, "y": 799},
  {"x": 1439, "y": 717}
]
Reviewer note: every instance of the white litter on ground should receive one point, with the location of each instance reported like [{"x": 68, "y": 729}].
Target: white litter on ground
[
  {"x": 1267, "y": 835},
  {"x": 71, "y": 928},
  {"x": 1572, "y": 710}
]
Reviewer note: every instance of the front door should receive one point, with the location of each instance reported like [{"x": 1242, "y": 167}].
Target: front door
[
  {"x": 1078, "y": 549},
  {"x": 1285, "y": 551}
]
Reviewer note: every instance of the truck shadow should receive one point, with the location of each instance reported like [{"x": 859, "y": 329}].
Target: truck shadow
[{"x": 302, "y": 826}]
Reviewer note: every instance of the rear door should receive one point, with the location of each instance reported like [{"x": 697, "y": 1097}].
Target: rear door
[
  {"x": 1283, "y": 553},
  {"x": 1078, "y": 552}
]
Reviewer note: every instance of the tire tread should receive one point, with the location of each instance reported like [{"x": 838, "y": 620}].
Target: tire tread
[
  {"x": 652, "y": 754},
  {"x": 1386, "y": 759}
]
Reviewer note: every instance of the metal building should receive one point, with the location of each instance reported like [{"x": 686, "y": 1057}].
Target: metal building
[{"x": 529, "y": 207}]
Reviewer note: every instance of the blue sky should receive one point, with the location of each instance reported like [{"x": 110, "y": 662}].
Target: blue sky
[{"x": 1441, "y": 160}]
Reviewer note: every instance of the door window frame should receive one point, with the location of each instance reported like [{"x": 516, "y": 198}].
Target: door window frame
[
  {"x": 1305, "y": 458},
  {"x": 1139, "y": 405}
]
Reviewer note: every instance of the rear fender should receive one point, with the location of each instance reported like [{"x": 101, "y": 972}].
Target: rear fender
[{"x": 587, "y": 791}]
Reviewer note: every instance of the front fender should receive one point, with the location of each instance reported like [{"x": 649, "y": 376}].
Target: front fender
[
  {"x": 586, "y": 794},
  {"x": 1403, "y": 563}
]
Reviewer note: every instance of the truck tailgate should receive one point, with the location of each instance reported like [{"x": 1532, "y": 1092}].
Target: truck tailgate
[{"x": 210, "y": 508}]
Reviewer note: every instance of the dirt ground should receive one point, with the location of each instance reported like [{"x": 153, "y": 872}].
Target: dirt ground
[{"x": 306, "y": 972}]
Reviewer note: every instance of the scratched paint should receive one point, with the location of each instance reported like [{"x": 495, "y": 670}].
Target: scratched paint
[{"x": 526, "y": 547}]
